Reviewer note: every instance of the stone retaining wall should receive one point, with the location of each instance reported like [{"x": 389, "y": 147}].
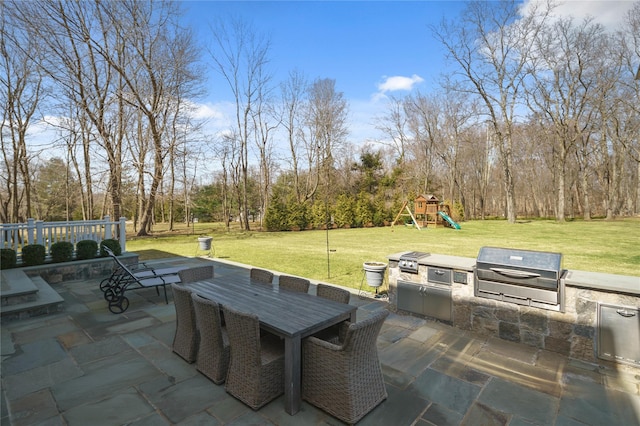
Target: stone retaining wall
[{"x": 55, "y": 273}]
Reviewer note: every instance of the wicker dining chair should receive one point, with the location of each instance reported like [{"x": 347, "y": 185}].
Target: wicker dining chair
[
  {"x": 334, "y": 293},
  {"x": 261, "y": 275},
  {"x": 213, "y": 349},
  {"x": 256, "y": 364},
  {"x": 291, "y": 283},
  {"x": 345, "y": 379},
  {"x": 185, "y": 340},
  {"x": 198, "y": 273}
]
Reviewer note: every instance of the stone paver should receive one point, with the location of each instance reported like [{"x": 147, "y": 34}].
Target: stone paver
[
  {"x": 530, "y": 405},
  {"x": 87, "y": 366},
  {"x": 109, "y": 411},
  {"x": 454, "y": 394}
]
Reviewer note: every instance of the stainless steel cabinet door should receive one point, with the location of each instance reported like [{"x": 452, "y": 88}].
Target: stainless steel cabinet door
[{"x": 619, "y": 333}]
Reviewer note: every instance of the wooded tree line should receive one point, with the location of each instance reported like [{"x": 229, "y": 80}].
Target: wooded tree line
[{"x": 539, "y": 118}]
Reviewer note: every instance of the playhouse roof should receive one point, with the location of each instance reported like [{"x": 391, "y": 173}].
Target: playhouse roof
[{"x": 428, "y": 197}]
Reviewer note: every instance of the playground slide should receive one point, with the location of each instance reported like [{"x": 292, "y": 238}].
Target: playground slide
[{"x": 446, "y": 217}]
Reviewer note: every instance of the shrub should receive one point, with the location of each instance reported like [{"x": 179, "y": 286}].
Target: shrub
[
  {"x": 33, "y": 254},
  {"x": 319, "y": 214},
  {"x": 298, "y": 216},
  {"x": 62, "y": 251},
  {"x": 7, "y": 258},
  {"x": 86, "y": 249},
  {"x": 275, "y": 218},
  {"x": 344, "y": 215},
  {"x": 114, "y": 245}
]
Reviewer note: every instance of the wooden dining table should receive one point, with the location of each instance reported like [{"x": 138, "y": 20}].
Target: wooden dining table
[{"x": 290, "y": 315}]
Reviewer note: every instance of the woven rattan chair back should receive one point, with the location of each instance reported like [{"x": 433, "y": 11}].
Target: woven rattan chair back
[
  {"x": 256, "y": 366},
  {"x": 345, "y": 379},
  {"x": 199, "y": 273},
  {"x": 261, "y": 275},
  {"x": 287, "y": 282},
  {"x": 334, "y": 293},
  {"x": 185, "y": 340},
  {"x": 213, "y": 349},
  {"x": 362, "y": 335}
]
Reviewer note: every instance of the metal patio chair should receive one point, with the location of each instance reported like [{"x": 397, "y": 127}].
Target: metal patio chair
[{"x": 136, "y": 279}]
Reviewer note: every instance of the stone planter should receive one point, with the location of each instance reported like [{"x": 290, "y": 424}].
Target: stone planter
[{"x": 374, "y": 271}]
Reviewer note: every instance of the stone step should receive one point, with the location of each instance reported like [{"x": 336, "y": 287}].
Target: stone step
[
  {"x": 16, "y": 288},
  {"x": 46, "y": 301}
]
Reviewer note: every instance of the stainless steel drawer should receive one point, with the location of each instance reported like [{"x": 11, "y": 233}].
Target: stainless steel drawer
[{"x": 439, "y": 275}]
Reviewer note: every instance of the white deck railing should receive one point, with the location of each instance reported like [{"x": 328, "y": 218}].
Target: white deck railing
[{"x": 17, "y": 235}]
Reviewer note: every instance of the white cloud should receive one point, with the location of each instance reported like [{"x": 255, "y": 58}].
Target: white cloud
[
  {"x": 398, "y": 82},
  {"x": 609, "y": 14},
  {"x": 208, "y": 111}
]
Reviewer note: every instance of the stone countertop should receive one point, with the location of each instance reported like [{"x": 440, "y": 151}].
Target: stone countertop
[
  {"x": 442, "y": 261},
  {"x": 602, "y": 281}
]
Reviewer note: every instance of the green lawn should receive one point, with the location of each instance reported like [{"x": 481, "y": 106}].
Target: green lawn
[{"x": 598, "y": 246}]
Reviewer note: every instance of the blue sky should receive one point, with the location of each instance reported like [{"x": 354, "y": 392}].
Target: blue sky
[
  {"x": 372, "y": 49},
  {"x": 356, "y": 43}
]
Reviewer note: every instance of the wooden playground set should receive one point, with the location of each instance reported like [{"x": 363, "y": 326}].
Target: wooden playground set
[{"x": 428, "y": 212}]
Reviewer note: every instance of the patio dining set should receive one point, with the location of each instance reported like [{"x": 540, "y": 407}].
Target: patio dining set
[{"x": 260, "y": 339}]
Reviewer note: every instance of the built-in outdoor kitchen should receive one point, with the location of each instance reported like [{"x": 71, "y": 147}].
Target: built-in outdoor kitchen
[{"x": 523, "y": 296}]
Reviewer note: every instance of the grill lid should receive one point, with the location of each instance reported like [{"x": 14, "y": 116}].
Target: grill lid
[
  {"x": 527, "y": 259},
  {"x": 413, "y": 255}
]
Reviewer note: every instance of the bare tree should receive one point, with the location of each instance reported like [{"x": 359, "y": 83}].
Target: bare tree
[
  {"x": 564, "y": 90},
  {"x": 292, "y": 103},
  {"x": 240, "y": 55},
  {"x": 393, "y": 125},
  {"x": 491, "y": 44},
  {"x": 74, "y": 42},
  {"x": 21, "y": 91},
  {"x": 326, "y": 129},
  {"x": 626, "y": 118},
  {"x": 159, "y": 72},
  {"x": 426, "y": 129},
  {"x": 265, "y": 121}
]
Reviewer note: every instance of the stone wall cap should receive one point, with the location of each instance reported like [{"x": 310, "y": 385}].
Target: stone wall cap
[{"x": 603, "y": 281}]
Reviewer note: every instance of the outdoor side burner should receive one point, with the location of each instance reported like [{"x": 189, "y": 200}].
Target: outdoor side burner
[{"x": 408, "y": 262}]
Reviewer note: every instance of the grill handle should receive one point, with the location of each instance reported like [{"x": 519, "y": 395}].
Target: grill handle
[
  {"x": 514, "y": 273},
  {"x": 625, "y": 313}
]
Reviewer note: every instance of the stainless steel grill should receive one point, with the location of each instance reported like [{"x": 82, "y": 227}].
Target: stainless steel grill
[
  {"x": 525, "y": 277},
  {"x": 408, "y": 262}
]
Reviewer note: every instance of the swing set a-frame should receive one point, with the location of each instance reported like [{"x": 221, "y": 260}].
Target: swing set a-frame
[{"x": 400, "y": 213}]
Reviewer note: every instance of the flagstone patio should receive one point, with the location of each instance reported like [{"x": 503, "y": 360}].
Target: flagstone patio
[{"x": 86, "y": 366}]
